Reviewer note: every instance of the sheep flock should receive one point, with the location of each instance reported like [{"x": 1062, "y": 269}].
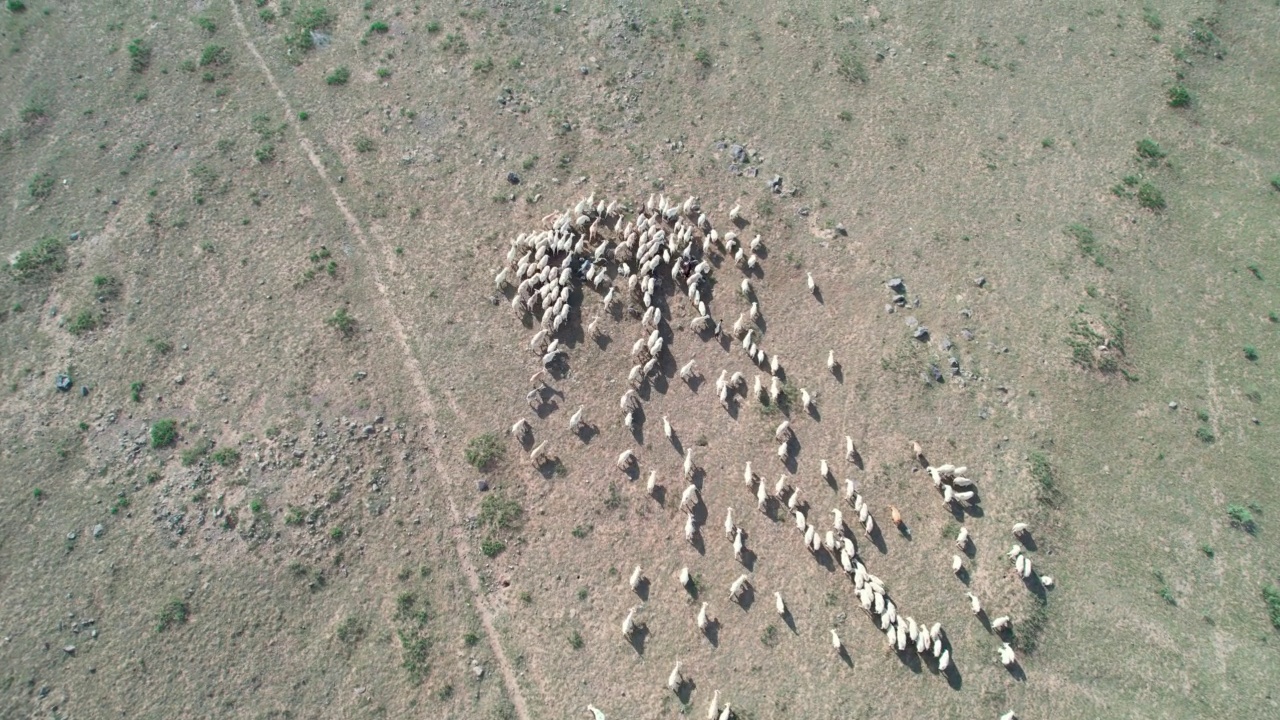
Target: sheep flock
[{"x": 601, "y": 257}]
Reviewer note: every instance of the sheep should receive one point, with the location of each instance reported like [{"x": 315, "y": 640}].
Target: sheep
[
  {"x": 689, "y": 467},
  {"x": 1020, "y": 563},
  {"x": 536, "y": 342},
  {"x": 964, "y": 497},
  {"x": 794, "y": 501},
  {"x": 684, "y": 577},
  {"x": 859, "y": 506},
  {"x": 809, "y": 532},
  {"x": 1046, "y": 580},
  {"x": 1026, "y": 569},
  {"x": 850, "y": 452},
  {"x": 935, "y": 632},
  {"x": 754, "y": 312},
  {"x": 575, "y": 420},
  {"x": 1007, "y": 657},
  {"x": 835, "y": 642},
  {"x": 961, "y": 482},
  {"x": 849, "y": 547},
  {"x": 947, "y": 495},
  {"x": 962, "y": 538},
  {"x": 746, "y": 287},
  {"x": 974, "y": 604},
  {"x": 629, "y": 420},
  {"x": 849, "y": 489},
  {"x": 521, "y": 429},
  {"x": 758, "y": 390},
  {"x": 675, "y": 680},
  {"x": 813, "y": 287},
  {"x": 902, "y": 638},
  {"x": 1019, "y": 529},
  {"x": 1011, "y": 715},
  {"x": 666, "y": 427},
  {"x": 917, "y": 451},
  {"x": 729, "y": 526},
  {"x": 629, "y": 624},
  {"x": 1001, "y": 623},
  {"x": 779, "y": 605},
  {"x": 775, "y": 391},
  {"x": 780, "y": 487},
  {"x": 630, "y": 400},
  {"x": 689, "y": 528},
  {"x": 895, "y": 515},
  {"x": 688, "y": 370},
  {"x": 824, "y": 471},
  {"x": 784, "y": 452},
  {"x": 837, "y": 521},
  {"x": 735, "y": 589},
  {"x": 737, "y": 381},
  {"x": 869, "y": 527},
  {"x": 625, "y": 460},
  {"x": 1014, "y": 551},
  {"x": 703, "y": 620},
  {"x": 652, "y": 483},
  {"x": 713, "y": 710},
  {"x": 922, "y": 644},
  {"x": 831, "y": 361},
  {"x": 762, "y": 498},
  {"x": 806, "y": 401},
  {"x": 747, "y": 476},
  {"x": 735, "y": 212},
  {"x": 957, "y": 564},
  {"x": 689, "y": 498},
  {"x": 829, "y": 541},
  {"x": 539, "y": 453},
  {"x": 944, "y": 661},
  {"x": 775, "y": 364},
  {"x": 593, "y": 329},
  {"x": 737, "y": 545},
  {"x": 784, "y": 431},
  {"x": 846, "y": 563}
]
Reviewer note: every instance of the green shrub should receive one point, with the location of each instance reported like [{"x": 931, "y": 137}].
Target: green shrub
[
  {"x": 83, "y": 322},
  {"x": 214, "y": 55},
  {"x": 207, "y": 24},
  {"x": 1275, "y": 182},
  {"x": 174, "y": 612},
  {"x": 702, "y": 57},
  {"x": 433, "y": 27},
  {"x": 336, "y": 533},
  {"x": 1241, "y": 518},
  {"x": 1179, "y": 96},
  {"x": 342, "y": 321},
  {"x": 1148, "y": 148},
  {"x": 379, "y": 27},
  {"x": 46, "y": 257},
  {"x": 1204, "y": 434},
  {"x": 364, "y": 144},
  {"x": 307, "y": 20},
  {"x": 226, "y": 457},
  {"x": 1150, "y": 197},
  {"x": 135, "y": 390},
  {"x": 500, "y": 513},
  {"x": 1271, "y": 594},
  {"x": 139, "y": 54},
  {"x": 575, "y": 640},
  {"x": 164, "y": 433},
  {"x": 351, "y": 631},
  {"x": 15, "y": 6},
  {"x": 1250, "y": 352},
  {"x": 851, "y": 68},
  {"x": 492, "y": 546},
  {"x": 192, "y": 455},
  {"x": 339, "y": 76},
  {"x": 483, "y": 65},
  {"x": 265, "y": 154},
  {"x": 471, "y": 639},
  {"x": 484, "y": 450},
  {"x": 40, "y": 186}
]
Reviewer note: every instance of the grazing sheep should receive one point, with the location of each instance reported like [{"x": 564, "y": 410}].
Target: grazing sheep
[
  {"x": 652, "y": 483},
  {"x": 824, "y": 471},
  {"x": 688, "y": 370},
  {"x": 629, "y": 624},
  {"x": 689, "y": 498},
  {"x": 1020, "y": 563},
  {"x": 961, "y": 482},
  {"x": 778, "y": 604},
  {"x": 775, "y": 391},
  {"x": 684, "y": 577},
  {"x": 835, "y": 642},
  {"x": 829, "y": 541},
  {"x": 703, "y": 621},
  {"x": 962, "y": 538},
  {"x": 748, "y": 477},
  {"x": 849, "y": 489},
  {"x": 895, "y": 515},
  {"x": 869, "y": 527},
  {"x": 793, "y": 502},
  {"x": 775, "y": 364},
  {"x": 806, "y": 401},
  {"x": 729, "y": 526},
  {"x": 831, "y": 360},
  {"x": 809, "y": 532},
  {"x": 625, "y": 460},
  {"x": 1026, "y": 569},
  {"x": 784, "y": 452},
  {"x": 636, "y": 578},
  {"x": 713, "y": 710},
  {"x": 1046, "y": 580},
  {"x": 1014, "y": 551},
  {"x": 810, "y": 283},
  {"x": 864, "y": 511},
  {"x": 944, "y": 660},
  {"x": 593, "y": 328},
  {"x": 922, "y": 643},
  {"x": 689, "y": 467},
  {"x": 964, "y": 497},
  {"x": 902, "y": 638},
  {"x": 746, "y": 287},
  {"x": 689, "y": 528},
  {"x": 917, "y": 451},
  {"x": 675, "y": 680},
  {"x": 947, "y": 495},
  {"x": 837, "y": 521},
  {"x": 849, "y": 547},
  {"x": 1011, "y": 715},
  {"x": 801, "y": 522},
  {"x": 859, "y": 506},
  {"x": 780, "y": 487},
  {"x": 1001, "y": 623},
  {"x": 850, "y": 452},
  {"x": 759, "y": 390},
  {"x": 783, "y": 432},
  {"x": 1019, "y": 529},
  {"x": 735, "y": 212},
  {"x": 539, "y": 454},
  {"x": 738, "y": 545},
  {"x": 521, "y": 429},
  {"x": 1007, "y": 657},
  {"x": 575, "y": 420},
  {"x": 846, "y": 563},
  {"x": 735, "y": 589},
  {"x": 974, "y": 604},
  {"x": 957, "y": 564},
  {"x": 935, "y": 632},
  {"x": 666, "y": 427},
  {"x": 762, "y": 498}
]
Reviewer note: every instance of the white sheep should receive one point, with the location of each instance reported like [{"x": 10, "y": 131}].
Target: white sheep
[
  {"x": 759, "y": 390},
  {"x": 1020, "y": 563},
  {"x": 917, "y": 451},
  {"x": 738, "y": 545},
  {"x": 810, "y": 283},
  {"x": 689, "y": 528},
  {"x": 957, "y": 564},
  {"x": 666, "y": 427},
  {"x": 1026, "y": 569},
  {"x": 1007, "y": 657},
  {"x": 869, "y": 527},
  {"x": 521, "y": 429},
  {"x": 800, "y": 520},
  {"x": 775, "y": 364},
  {"x": 824, "y": 471},
  {"x": 688, "y": 370},
  {"x": 780, "y": 487},
  {"x": 962, "y": 538},
  {"x": 1011, "y": 715},
  {"x": 1046, "y": 580},
  {"x": 652, "y": 483},
  {"x": 835, "y": 642},
  {"x": 1014, "y": 551},
  {"x": 684, "y": 577},
  {"x": 703, "y": 620},
  {"x": 831, "y": 360},
  {"x": 793, "y": 502},
  {"x": 806, "y": 401},
  {"x": 689, "y": 498},
  {"x": 779, "y": 605},
  {"x": 746, "y": 287},
  {"x": 629, "y": 624},
  {"x": 725, "y": 714},
  {"x": 809, "y": 532},
  {"x": 625, "y": 460},
  {"x": 735, "y": 589},
  {"x": 944, "y": 660},
  {"x": 539, "y": 453},
  {"x": 837, "y": 521},
  {"x": 675, "y": 679},
  {"x": 974, "y": 604},
  {"x": 747, "y": 476},
  {"x": 849, "y": 489},
  {"x": 775, "y": 391},
  {"x": 762, "y": 498},
  {"x": 859, "y": 506},
  {"x": 902, "y": 638},
  {"x": 829, "y": 541},
  {"x": 735, "y": 212},
  {"x": 850, "y": 452},
  {"x": 729, "y": 526},
  {"x": 783, "y": 452},
  {"x": 1001, "y": 623},
  {"x": 575, "y": 420},
  {"x": 713, "y": 710},
  {"x": 689, "y": 467},
  {"x": 1019, "y": 529},
  {"x": 636, "y": 578},
  {"x": 784, "y": 431}
]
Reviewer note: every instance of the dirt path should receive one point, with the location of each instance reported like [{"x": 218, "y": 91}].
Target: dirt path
[{"x": 412, "y": 369}]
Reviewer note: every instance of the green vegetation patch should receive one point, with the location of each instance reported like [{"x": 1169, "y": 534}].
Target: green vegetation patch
[
  {"x": 164, "y": 433},
  {"x": 483, "y": 451},
  {"x": 174, "y": 612},
  {"x": 40, "y": 261}
]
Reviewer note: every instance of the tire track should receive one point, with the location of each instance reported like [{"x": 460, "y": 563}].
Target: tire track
[{"x": 412, "y": 368}]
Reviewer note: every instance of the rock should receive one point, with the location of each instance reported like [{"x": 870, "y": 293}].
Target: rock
[
  {"x": 840, "y": 230},
  {"x": 478, "y": 670},
  {"x": 775, "y": 184},
  {"x": 98, "y": 530},
  {"x": 368, "y": 429},
  {"x": 966, "y": 313},
  {"x": 63, "y": 383},
  {"x": 911, "y": 321},
  {"x": 513, "y": 178},
  {"x": 900, "y": 300},
  {"x": 945, "y": 344},
  {"x": 935, "y": 373},
  {"x": 967, "y": 334},
  {"x": 180, "y": 379},
  {"x": 980, "y": 281},
  {"x": 803, "y": 212},
  {"x": 896, "y": 285},
  {"x": 955, "y": 365},
  {"x": 74, "y": 236},
  {"x": 482, "y": 485},
  {"x": 1255, "y": 421},
  {"x": 888, "y": 309},
  {"x": 84, "y": 391},
  {"x": 1173, "y": 406},
  {"x": 739, "y": 153},
  {"x": 921, "y": 333},
  {"x": 71, "y": 535},
  {"x": 69, "y": 649},
  {"x": 584, "y": 69}
]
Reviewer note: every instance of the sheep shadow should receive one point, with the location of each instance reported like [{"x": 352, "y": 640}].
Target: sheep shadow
[
  {"x": 748, "y": 560},
  {"x": 1016, "y": 672},
  {"x": 586, "y": 433},
  {"x": 910, "y": 660},
  {"x": 660, "y": 495},
  {"x": 638, "y": 638},
  {"x": 825, "y": 559},
  {"x": 1037, "y": 588},
  {"x": 963, "y": 576},
  {"x": 790, "y": 621},
  {"x": 969, "y": 550},
  {"x": 817, "y": 295},
  {"x": 1029, "y": 542},
  {"x": 984, "y": 620},
  {"x": 699, "y": 545},
  {"x": 747, "y": 598},
  {"x": 658, "y": 381},
  {"x": 814, "y": 413},
  {"x": 973, "y": 509},
  {"x": 712, "y": 633},
  {"x": 676, "y": 444},
  {"x": 642, "y": 589},
  {"x": 843, "y": 654},
  {"x": 603, "y": 340},
  {"x": 632, "y": 471},
  {"x": 858, "y": 462},
  {"x": 547, "y": 468},
  {"x": 838, "y": 373},
  {"x": 695, "y": 383},
  {"x": 698, "y": 478},
  {"x": 731, "y": 407},
  {"x": 904, "y": 531},
  {"x": 545, "y": 408},
  {"x": 685, "y": 691},
  {"x": 953, "y": 676}
]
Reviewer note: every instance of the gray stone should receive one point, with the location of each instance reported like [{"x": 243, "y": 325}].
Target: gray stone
[
  {"x": 98, "y": 530},
  {"x": 1173, "y": 406},
  {"x": 896, "y": 284},
  {"x": 921, "y": 333},
  {"x": 84, "y": 391},
  {"x": 71, "y": 535},
  {"x": 63, "y": 383},
  {"x": 935, "y": 373},
  {"x": 966, "y": 313},
  {"x": 368, "y": 429},
  {"x": 739, "y": 153},
  {"x": 967, "y": 334},
  {"x": 180, "y": 379},
  {"x": 888, "y": 309},
  {"x": 478, "y": 670},
  {"x": 74, "y": 236},
  {"x": 900, "y": 300},
  {"x": 513, "y": 178},
  {"x": 775, "y": 184},
  {"x": 69, "y": 649},
  {"x": 482, "y": 485},
  {"x": 584, "y": 69},
  {"x": 980, "y": 281},
  {"x": 945, "y": 344},
  {"x": 840, "y": 229}
]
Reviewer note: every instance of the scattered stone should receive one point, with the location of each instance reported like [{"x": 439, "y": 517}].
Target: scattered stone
[
  {"x": 584, "y": 69},
  {"x": 980, "y": 281},
  {"x": 983, "y": 414},
  {"x": 1255, "y": 421},
  {"x": 803, "y": 212},
  {"x": 185, "y": 346},
  {"x": 69, "y": 649},
  {"x": 180, "y": 379},
  {"x": 966, "y": 313},
  {"x": 776, "y": 184},
  {"x": 896, "y": 285},
  {"x": 482, "y": 485},
  {"x": 840, "y": 230},
  {"x": 98, "y": 530},
  {"x": 368, "y": 429},
  {"x": 955, "y": 365},
  {"x": 921, "y": 333},
  {"x": 71, "y": 535},
  {"x": 751, "y": 172},
  {"x": 513, "y": 178},
  {"x": 478, "y": 670},
  {"x": 84, "y": 391},
  {"x": 63, "y": 383},
  {"x": 967, "y": 334},
  {"x": 935, "y": 373},
  {"x": 74, "y": 236},
  {"x": 739, "y": 153},
  {"x": 888, "y": 309},
  {"x": 361, "y": 375},
  {"x": 900, "y": 300},
  {"x": 1173, "y": 406},
  {"x": 946, "y": 344}
]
